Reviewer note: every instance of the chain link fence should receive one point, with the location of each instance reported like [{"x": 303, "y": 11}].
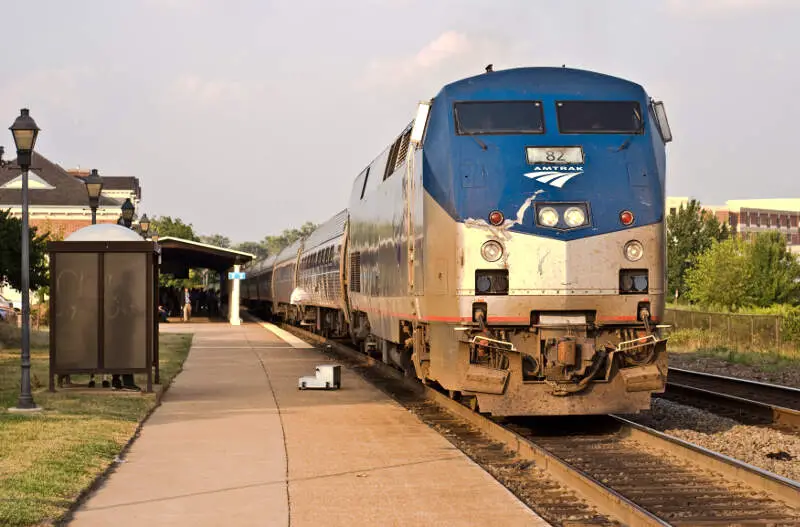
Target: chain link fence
[{"x": 739, "y": 331}]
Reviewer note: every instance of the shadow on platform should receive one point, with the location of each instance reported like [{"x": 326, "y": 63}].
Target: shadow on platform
[{"x": 200, "y": 319}]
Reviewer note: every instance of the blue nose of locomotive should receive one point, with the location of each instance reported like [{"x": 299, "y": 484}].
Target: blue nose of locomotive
[{"x": 559, "y": 165}]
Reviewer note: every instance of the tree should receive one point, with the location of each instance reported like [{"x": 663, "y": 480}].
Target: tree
[
  {"x": 195, "y": 279},
  {"x": 176, "y": 228},
  {"x": 253, "y": 248},
  {"x": 11, "y": 254},
  {"x": 775, "y": 271},
  {"x": 217, "y": 240},
  {"x": 722, "y": 276},
  {"x": 690, "y": 231},
  {"x": 274, "y": 244},
  {"x": 54, "y": 233}
]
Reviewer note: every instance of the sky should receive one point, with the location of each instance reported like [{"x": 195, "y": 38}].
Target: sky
[{"x": 247, "y": 117}]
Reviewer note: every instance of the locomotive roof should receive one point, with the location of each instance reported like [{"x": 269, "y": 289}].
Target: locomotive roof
[{"x": 530, "y": 82}]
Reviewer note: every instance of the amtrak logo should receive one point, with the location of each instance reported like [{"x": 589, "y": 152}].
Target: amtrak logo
[{"x": 555, "y": 176}]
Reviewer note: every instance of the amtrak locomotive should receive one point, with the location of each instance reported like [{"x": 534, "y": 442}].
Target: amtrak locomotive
[{"x": 508, "y": 245}]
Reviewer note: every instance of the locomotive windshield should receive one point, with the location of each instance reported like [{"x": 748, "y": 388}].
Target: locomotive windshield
[
  {"x": 500, "y": 117},
  {"x": 599, "y": 117}
]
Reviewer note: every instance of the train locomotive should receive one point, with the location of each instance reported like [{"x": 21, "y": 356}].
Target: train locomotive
[{"x": 508, "y": 246}]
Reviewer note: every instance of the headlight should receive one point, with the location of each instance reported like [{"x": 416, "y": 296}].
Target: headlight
[
  {"x": 492, "y": 251},
  {"x": 548, "y": 217},
  {"x": 634, "y": 251},
  {"x": 633, "y": 281},
  {"x": 574, "y": 217},
  {"x": 483, "y": 284}
]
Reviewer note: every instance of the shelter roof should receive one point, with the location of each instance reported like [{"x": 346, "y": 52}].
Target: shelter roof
[{"x": 179, "y": 255}]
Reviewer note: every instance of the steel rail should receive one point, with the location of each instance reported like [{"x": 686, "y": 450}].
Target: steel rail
[{"x": 771, "y": 404}]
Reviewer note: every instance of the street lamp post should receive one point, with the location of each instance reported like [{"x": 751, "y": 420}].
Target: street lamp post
[
  {"x": 144, "y": 226},
  {"x": 126, "y": 220},
  {"x": 25, "y": 132},
  {"x": 127, "y": 212},
  {"x": 94, "y": 186}
]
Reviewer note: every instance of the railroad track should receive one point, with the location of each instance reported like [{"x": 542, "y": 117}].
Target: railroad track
[
  {"x": 613, "y": 472},
  {"x": 746, "y": 401}
]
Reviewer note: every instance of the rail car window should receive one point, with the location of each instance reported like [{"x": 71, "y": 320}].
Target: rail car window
[
  {"x": 499, "y": 117},
  {"x": 599, "y": 117},
  {"x": 364, "y": 187}
]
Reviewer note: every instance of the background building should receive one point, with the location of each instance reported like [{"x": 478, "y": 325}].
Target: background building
[
  {"x": 746, "y": 217},
  {"x": 115, "y": 187},
  {"x": 58, "y": 202}
]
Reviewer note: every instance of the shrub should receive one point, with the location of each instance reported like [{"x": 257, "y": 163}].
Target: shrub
[{"x": 11, "y": 337}]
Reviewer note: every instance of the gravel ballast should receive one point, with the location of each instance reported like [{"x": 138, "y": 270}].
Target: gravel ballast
[{"x": 762, "y": 447}]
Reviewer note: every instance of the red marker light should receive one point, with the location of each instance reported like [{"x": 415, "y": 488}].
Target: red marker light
[
  {"x": 496, "y": 218},
  {"x": 626, "y": 217}
]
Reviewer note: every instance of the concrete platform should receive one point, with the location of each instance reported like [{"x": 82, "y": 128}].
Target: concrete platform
[{"x": 236, "y": 443}]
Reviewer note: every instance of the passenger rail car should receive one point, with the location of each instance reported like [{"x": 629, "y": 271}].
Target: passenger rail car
[
  {"x": 508, "y": 245},
  {"x": 284, "y": 281}
]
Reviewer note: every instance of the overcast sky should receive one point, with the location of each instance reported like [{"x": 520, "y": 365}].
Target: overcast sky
[{"x": 245, "y": 117}]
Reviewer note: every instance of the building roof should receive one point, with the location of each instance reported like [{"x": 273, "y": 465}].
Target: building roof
[
  {"x": 112, "y": 182},
  {"x": 736, "y": 205},
  {"x": 67, "y": 191},
  {"x": 776, "y": 204}
]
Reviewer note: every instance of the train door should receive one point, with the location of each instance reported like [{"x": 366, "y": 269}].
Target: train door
[{"x": 344, "y": 269}]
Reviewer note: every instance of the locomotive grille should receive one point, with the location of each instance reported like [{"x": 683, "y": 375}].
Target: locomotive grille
[
  {"x": 403, "y": 150},
  {"x": 397, "y": 153},
  {"x": 355, "y": 272}
]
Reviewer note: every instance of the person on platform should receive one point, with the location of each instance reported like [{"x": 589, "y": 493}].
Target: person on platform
[
  {"x": 187, "y": 305},
  {"x": 163, "y": 316}
]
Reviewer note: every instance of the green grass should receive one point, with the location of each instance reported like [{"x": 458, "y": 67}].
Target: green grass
[
  {"x": 769, "y": 362},
  {"x": 707, "y": 339},
  {"x": 704, "y": 343},
  {"x": 47, "y": 459}
]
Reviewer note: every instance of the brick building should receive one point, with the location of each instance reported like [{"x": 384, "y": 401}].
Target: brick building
[
  {"x": 57, "y": 198},
  {"x": 58, "y": 202},
  {"x": 747, "y": 217}
]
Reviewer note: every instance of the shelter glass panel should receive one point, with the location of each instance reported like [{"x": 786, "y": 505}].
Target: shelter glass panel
[
  {"x": 76, "y": 309},
  {"x": 125, "y": 316}
]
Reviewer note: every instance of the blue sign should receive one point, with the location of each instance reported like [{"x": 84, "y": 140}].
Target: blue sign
[{"x": 235, "y": 276}]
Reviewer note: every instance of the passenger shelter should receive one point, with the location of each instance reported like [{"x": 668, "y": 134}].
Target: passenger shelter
[
  {"x": 179, "y": 255},
  {"x": 102, "y": 303}
]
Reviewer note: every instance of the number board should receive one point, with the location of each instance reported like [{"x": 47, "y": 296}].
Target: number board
[{"x": 555, "y": 155}]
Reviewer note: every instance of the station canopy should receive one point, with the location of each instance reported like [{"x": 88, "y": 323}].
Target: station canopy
[{"x": 179, "y": 255}]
